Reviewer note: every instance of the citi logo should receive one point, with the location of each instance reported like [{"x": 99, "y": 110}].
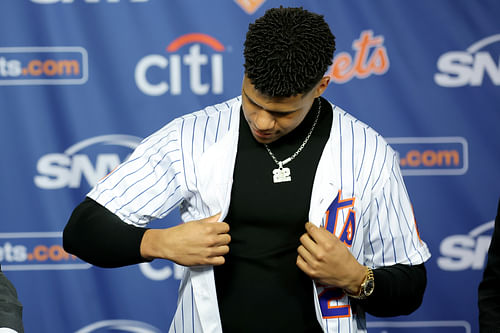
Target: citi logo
[
  {"x": 461, "y": 252},
  {"x": 157, "y": 74},
  {"x": 469, "y": 67},
  {"x": 91, "y": 159}
]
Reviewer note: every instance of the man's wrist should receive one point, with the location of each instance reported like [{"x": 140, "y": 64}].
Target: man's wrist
[
  {"x": 365, "y": 288},
  {"x": 146, "y": 249}
]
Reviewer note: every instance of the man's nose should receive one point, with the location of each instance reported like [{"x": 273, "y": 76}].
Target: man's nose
[{"x": 264, "y": 120}]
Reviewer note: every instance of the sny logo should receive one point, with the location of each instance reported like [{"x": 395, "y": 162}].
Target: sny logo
[
  {"x": 461, "y": 68},
  {"x": 461, "y": 252},
  {"x": 151, "y": 81},
  {"x": 66, "y": 170}
]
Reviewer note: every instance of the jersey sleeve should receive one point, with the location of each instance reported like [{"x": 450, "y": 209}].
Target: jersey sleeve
[
  {"x": 148, "y": 184},
  {"x": 393, "y": 236}
]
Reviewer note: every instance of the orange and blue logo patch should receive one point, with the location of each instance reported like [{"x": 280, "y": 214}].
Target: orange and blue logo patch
[
  {"x": 349, "y": 224},
  {"x": 329, "y": 297}
]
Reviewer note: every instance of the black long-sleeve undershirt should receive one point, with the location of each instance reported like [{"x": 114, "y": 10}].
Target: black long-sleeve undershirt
[{"x": 99, "y": 237}]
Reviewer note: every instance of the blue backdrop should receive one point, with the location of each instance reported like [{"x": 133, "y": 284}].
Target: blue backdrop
[{"x": 82, "y": 81}]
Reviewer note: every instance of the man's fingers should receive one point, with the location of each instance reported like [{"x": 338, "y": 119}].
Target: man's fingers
[
  {"x": 220, "y": 251},
  {"x": 220, "y": 227},
  {"x": 305, "y": 255},
  {"x": 222, "y": 239},
  {"x": 213, "y": 218},
  {"x": 319, "y": 235},
  {"x": 308, "y": 242},
  {"x": 302, "y": 264},
  {"x": 216, "y": 261},
  {"x": 314, "y": 231}
]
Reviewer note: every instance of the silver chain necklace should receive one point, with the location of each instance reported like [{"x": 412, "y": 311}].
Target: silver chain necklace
[{"x": 282, "y": 174}]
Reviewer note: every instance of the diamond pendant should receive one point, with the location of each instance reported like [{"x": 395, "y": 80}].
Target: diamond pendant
[{"x": 281, "y": 174}]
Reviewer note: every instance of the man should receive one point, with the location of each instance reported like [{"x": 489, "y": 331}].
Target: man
[
  {"x": 247, "y": 175},
  {"x": 489, "y": 290},
  {"x": 11, "y": 310}
]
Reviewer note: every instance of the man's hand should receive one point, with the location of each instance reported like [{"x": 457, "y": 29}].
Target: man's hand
[
  {"x": 323, "y": 257},
  {"x": 202, "y": 242}
]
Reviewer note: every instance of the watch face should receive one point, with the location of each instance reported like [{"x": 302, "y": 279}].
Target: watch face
[{"x": 370, "y": 284}]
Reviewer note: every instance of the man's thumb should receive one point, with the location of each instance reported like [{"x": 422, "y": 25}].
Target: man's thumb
[{"x": 213, "y": 218}]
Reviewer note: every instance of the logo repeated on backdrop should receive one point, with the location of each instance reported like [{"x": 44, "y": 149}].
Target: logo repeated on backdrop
[
  {"x": 36, "y": 251},
  {"x": 160, "y": 270},
  {"x": 448, "y": 326},
  {"x": 157, "y": 74},
  {"x": 462, "y": 252},
  {"x": 51, "y": 2},
  {"x": 370, "y": 58},
  {"x": 430, "y": 156},
  {"x": 250, "y": 6},
  {"x": 91, "y": 159},
  {"x": 119, "y": 325},
  {"x": 472, "y": 66},
  {"x": 43, "y": 65}
]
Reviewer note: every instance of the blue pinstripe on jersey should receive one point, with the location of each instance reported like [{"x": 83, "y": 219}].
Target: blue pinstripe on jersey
[
  {"x": 381, "y": 168},
  {"x": 401, "y": 231},
  {"x": 144, "y": 191},
  {"x": 364, "y": 151},
  {"x": 340, "y": 152},
  {"x": 205, "y": 131},
  {"x": 139, "y": 168},
  {"x": 380, "y": 233},
  {"x": 194, "y": 193},
  {"x": 139, "y": 180},
  {"x": 352, "y": 161},
  {"x": 390, "y": 229}
]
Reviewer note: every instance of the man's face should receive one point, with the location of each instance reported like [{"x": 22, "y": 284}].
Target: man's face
[{"x": 270, "y": 118}]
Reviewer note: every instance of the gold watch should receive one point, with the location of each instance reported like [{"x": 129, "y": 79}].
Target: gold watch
[{"x": 367, "y": 286}]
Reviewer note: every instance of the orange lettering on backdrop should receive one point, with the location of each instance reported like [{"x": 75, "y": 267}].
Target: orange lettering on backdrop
[{"x": 370, "y": 58}]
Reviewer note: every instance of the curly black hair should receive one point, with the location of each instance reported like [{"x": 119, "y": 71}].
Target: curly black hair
[{"x": 287, "y": 51}]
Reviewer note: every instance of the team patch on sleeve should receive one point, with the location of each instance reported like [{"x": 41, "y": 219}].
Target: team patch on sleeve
[{"x": 346, "y": 234}]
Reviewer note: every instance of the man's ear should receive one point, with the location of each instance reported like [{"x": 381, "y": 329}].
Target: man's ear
[{"x": 321, "y": 86}]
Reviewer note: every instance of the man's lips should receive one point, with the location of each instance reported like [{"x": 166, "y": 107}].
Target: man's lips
[{"x": 262, "y": 134}]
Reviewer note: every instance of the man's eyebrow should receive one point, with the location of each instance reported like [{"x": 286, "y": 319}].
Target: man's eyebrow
[
  {"x": 272, "y": 111},
  {"x": 251, "y": 100},
  {"x": 248, "y": 97}
]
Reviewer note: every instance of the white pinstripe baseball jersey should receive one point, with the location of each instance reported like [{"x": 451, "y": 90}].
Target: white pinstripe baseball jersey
[{"x": 358, "y": 194}]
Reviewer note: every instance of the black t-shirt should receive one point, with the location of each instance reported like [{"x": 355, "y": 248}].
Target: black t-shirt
[{"x": 260, "y": 288}]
